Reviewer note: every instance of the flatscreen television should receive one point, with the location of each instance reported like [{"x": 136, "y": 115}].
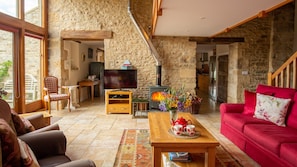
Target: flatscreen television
[{"x": 120, "y": 79}]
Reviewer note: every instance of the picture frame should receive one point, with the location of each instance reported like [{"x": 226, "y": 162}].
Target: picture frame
[{"x": 90, "y": 53}]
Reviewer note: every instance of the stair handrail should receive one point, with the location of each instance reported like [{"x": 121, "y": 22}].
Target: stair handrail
[{"x": 281, "y": 77}]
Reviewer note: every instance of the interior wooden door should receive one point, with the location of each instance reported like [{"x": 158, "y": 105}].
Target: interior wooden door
[
  {"x": 222, "y": 78},
  {"x": 213, "y": 78}
]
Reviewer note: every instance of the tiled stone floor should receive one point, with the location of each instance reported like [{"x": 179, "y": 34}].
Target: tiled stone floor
[{"x": 92, "y": 134}]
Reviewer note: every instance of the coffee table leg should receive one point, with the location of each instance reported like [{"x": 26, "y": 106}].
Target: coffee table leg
[
  {"x": 157, "y": 157},
  {"x": 211, "y": 158}
]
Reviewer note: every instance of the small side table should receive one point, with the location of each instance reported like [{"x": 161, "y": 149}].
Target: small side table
[
  {"x": 90, "y": 83},
  {"x": 70, "y": 88}
]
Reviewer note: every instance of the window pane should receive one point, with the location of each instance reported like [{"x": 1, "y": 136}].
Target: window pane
[
  {"x": 32, "y": 69},
  {"x": 6, "y": 65},
  {"x": 33, "y": 11},
  {"x": 9, "y": 7}
]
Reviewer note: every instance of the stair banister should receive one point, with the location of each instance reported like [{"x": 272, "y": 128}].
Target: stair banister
[{"x": 285, "y": 76}]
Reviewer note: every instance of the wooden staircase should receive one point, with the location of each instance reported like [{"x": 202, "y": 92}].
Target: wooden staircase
[{"x": 285, "y": 76}]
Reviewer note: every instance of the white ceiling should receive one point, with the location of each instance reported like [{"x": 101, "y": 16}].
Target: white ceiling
[{"x": 205, "y": 18}]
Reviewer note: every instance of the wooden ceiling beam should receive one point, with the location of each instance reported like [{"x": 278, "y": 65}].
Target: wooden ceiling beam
[
  {"x": 90, "y": 35},
  {"x": 216, "y": 40},
  {"x": 261, "y": 14},
  {"x": 157, "y": 11}
]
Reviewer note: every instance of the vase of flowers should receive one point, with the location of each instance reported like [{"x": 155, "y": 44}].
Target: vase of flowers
[
  {"x": 174, "y": 100},
  {"x": 172, "y": 115}
]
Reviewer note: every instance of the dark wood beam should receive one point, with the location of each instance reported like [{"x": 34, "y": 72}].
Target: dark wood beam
[
  {"x": 216, "y": 40},
  {"x": 89, "y": 35}
]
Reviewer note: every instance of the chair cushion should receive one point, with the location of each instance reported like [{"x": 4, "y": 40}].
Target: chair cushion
[
  {"x": 272, "y": 109},
  {"x": 270, "y": 136},
  {"x": 53, "y": 161},
  {"x": 9, "y": 145},
  {"x": 56, "y": 97},
  {"x": 238, "y": 120}
]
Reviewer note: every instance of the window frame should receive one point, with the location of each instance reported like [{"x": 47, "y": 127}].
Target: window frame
[{"x": 21, "y": 28}]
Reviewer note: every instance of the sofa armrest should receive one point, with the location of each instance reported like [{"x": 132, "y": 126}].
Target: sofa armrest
[
  {"x": 47, "y": 143},
  {"x": 79, "y": 163},
  {"x": 36, "y": 120},
  {"x": 231, "y": 108},
  {"x": 44, "y": 129}
]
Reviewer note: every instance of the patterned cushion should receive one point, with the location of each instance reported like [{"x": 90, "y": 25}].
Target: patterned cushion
[
  {"x": 272, "y": 109},
  {"x": 18, "y": 123},
  {"x": 28, "y": 126},
  {"x": 21, "y": 124},
  {"x": 9, "y": 145}
]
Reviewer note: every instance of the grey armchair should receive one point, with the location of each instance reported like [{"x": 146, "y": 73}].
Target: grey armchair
[
  {"x": 47, "y": 143},
  {"x": 17, "y": 123},
  {"x": 50, "y": 147}
]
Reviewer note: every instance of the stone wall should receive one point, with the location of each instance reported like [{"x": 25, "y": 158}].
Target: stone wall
[
  {"x": 178, "y": 59},
  {"x": 268, "y": 44},
  {"x": 126, "y": 44}
]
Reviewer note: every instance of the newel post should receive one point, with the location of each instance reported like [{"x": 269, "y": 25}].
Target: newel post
[{"x": 269, "y": 77}]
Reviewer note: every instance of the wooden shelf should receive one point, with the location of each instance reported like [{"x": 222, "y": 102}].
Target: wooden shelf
[{"x": 118, "y": 102}]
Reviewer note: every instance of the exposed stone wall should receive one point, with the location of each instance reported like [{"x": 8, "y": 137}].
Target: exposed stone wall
[
  {"x": 271, "y": 35},
  {"x": 282, "y": 36},
  {"x": 126, "y": 43},
  {"x": 142, "y": 9},
  {"x": 178, "y": 59},
  {"x": 111, "y": 15}
]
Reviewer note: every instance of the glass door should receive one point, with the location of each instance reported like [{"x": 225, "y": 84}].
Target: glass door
[
  {"x": 32, "y": 69},
  {"x": 6, "y": 66}
]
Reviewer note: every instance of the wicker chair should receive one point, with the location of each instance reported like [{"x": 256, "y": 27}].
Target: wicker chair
[{"x": 52, "y": 92}]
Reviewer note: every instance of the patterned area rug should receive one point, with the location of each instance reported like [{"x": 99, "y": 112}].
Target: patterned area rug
[{"x": 135, "y": 151}]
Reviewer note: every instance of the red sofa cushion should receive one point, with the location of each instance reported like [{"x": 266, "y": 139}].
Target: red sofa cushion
[
  {"x": 270, "y": 136},
  {"x": 238, "y": 120},
  {"x": 249, "y": 102},
  {"x": 292, "y": 114},
  {"x": 288, "y": 152},
  {"x": 286, "y": 93}
]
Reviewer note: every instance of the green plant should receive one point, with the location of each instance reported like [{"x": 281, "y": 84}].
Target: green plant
[{"x": 4, "y": 67}]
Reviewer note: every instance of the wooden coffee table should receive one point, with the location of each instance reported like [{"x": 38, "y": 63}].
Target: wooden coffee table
[{"x": 162, "y": 141}]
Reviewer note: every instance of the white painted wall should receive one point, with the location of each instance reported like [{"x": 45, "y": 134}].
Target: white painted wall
[{"x": 79, "y": 63}]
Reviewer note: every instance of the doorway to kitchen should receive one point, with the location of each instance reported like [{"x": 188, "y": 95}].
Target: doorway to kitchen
[{"x": 80, "y": 51}]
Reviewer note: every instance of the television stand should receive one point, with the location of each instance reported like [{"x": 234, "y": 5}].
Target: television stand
[
  {"x": 124, "y": 90},
  {"x": 118, "y": 101}
]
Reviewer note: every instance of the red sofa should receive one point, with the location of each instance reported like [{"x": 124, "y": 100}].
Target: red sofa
[{"x": 264, "y": 141}]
